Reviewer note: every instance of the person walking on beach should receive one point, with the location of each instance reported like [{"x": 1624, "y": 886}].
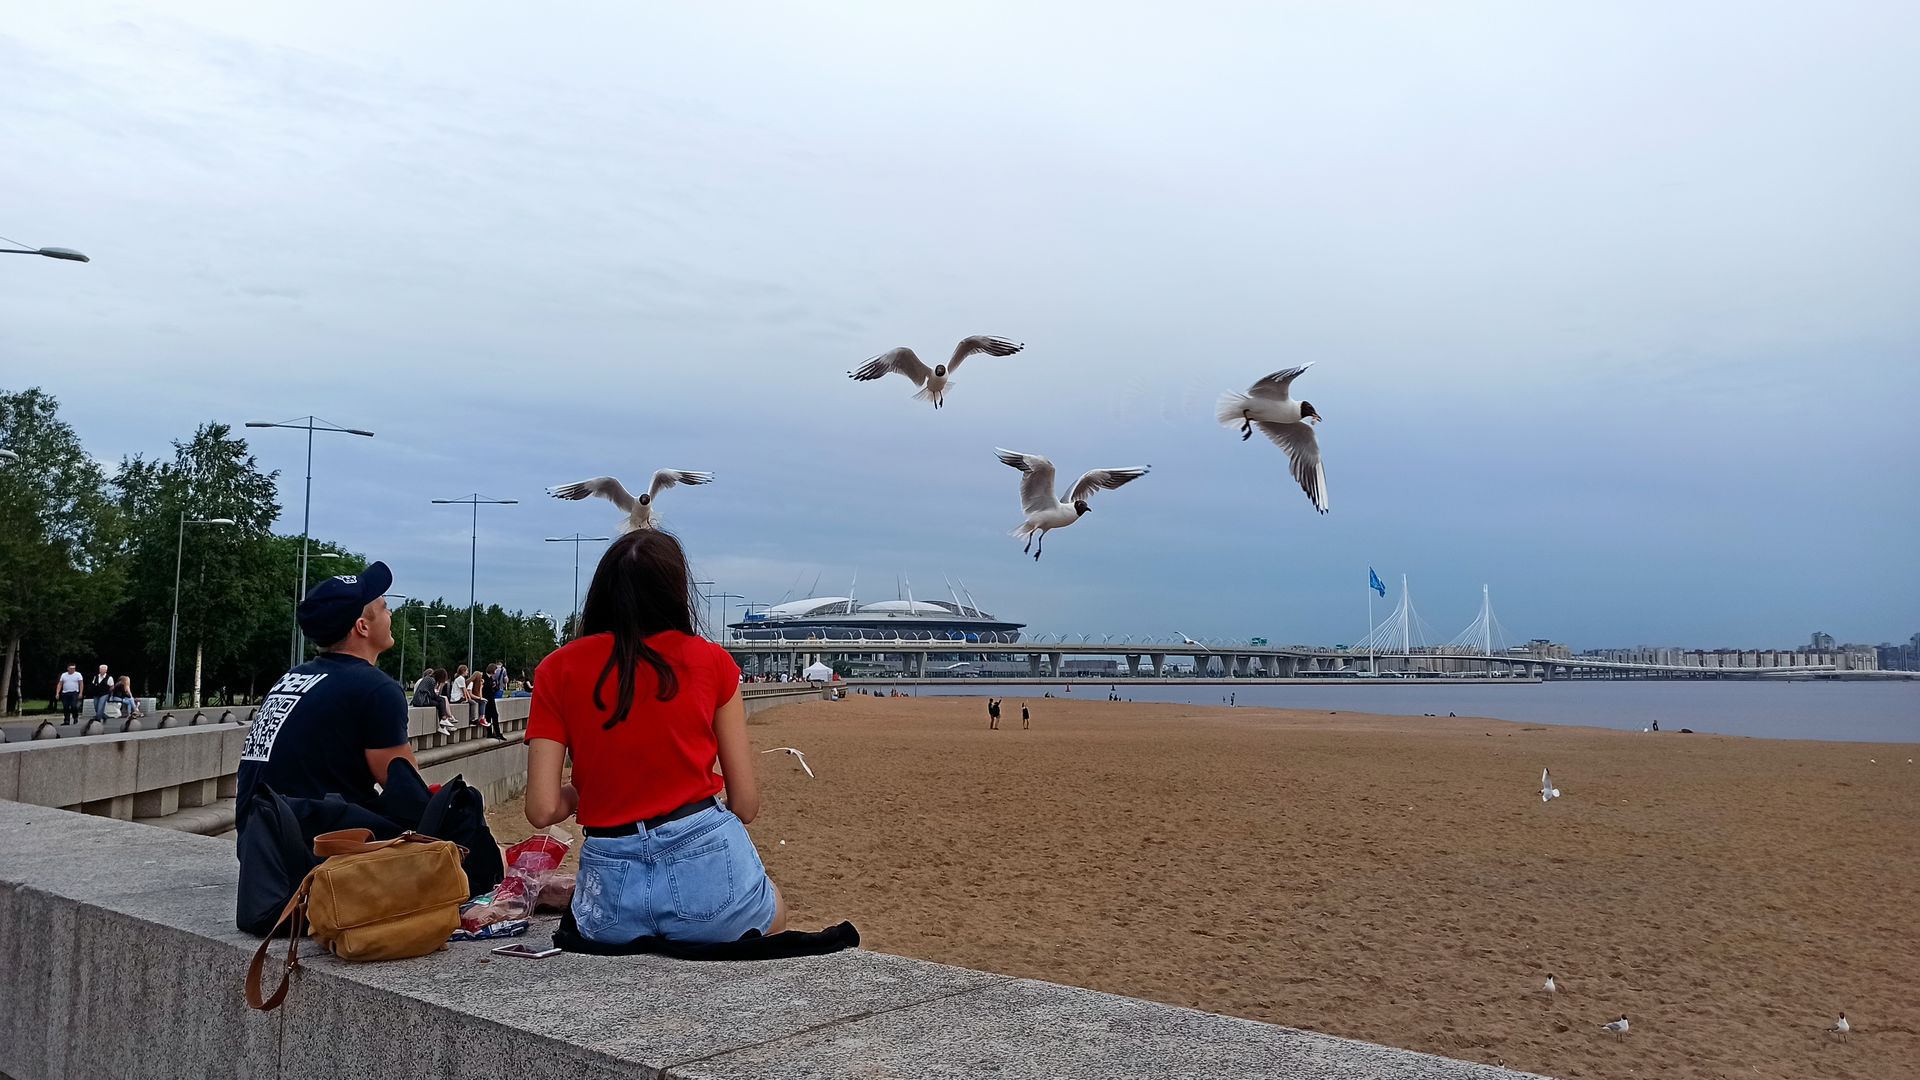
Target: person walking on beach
[
  {"x": 1025, "y": 718},
  {"x": 66, "y": 690},
  {"x": 993, "y": 715},
  {"x": 646, "y": 708}
]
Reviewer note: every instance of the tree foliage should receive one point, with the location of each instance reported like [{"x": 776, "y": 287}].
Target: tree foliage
[{"x": 88, "y": 565}]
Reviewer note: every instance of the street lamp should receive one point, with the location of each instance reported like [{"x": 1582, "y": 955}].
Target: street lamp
[
  {"x": 310, "y": 425},
  {"x": 473, "y": 566},
  {"x": 67, "y": 254},
  {"x": 576, "y": 540},
  {"x": 431, "y": 622},
  {"x": 179, "y": 549},
  {"x": 8, "y": 457}
]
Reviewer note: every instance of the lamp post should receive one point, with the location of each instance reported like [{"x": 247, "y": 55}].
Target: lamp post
[
  {"x": 401, "y": 636},
  {"x": 724, "y": 597},
  {"x": 576, "y": 540},
  {"x": 309, "y": 424},
  {"x": 431, "y": 622},
  {"x": 473, "y": 565},
  {"x": 8, "y": 457},
  {"x": 707, "y": 599},
  {"x": 296, "y": 640},
  {"x": 179, "y": 550}
]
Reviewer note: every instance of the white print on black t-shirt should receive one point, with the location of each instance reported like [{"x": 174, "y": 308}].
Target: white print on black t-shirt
[{"x": 273, "y": 713}]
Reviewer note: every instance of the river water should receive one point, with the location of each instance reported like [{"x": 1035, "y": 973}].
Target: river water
[{"x": 1841, "y": 711}]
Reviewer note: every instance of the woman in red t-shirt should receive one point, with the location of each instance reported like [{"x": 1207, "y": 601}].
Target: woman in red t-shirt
[{"x": 646, "y": 707}]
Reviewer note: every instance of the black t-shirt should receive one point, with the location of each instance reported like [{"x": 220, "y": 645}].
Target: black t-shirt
[{"x": 311, "y": 734}]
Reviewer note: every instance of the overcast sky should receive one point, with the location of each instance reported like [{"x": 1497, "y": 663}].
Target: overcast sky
[{"x": 1612, "y": 305}]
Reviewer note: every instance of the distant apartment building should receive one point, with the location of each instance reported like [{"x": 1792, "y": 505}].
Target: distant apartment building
[
  {"x": 1543, "y": 649},
  {"x": 1822, "y": 641},
  {"x": 1838, "y": 657},
  {"x": 1899, "y": 657}
]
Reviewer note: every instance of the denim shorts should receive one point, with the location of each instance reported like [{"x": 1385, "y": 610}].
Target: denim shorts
[{"x": 696, "y": 879}]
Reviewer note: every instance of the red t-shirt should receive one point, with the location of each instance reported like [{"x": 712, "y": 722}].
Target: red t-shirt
[{"x": 661, "y": 757}]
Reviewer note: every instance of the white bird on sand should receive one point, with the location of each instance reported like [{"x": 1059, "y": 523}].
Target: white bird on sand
[
  {"x": 798, "y": 756},
  {"x": 1547, "y": 791},
  {"x": 639, "y": 508},
  {"x": 1550, "y": 988},
  {"x": 1618, "y": 1027},
  {"x": 933, "y": 382},
  {"x": 1840, "y": 1026},
  {"x": 1266, "y": 405},
  {"x": 1046, "y": 512}
]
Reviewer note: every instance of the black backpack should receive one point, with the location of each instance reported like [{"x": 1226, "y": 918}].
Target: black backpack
[{"x": 275, "y": 846}]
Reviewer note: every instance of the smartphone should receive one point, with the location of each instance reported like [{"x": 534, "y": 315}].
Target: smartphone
[{"x": 521, "y": 948}]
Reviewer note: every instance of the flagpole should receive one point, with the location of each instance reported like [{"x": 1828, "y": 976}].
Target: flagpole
[{"x": 1370, "y": 665}]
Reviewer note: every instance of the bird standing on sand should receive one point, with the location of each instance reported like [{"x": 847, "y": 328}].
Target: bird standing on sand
[
  {"x": 1550, "y": 988},
  {"x": 933, "y": 382},
  {"x": 1280, "y": 418},
  {"x": 1548, "y": 792},
  {"x": 639, "y": 508},
  {"x": 1618, "y": 1027},
  {"x": 1046, "y": 512},
  {"x": 797, "y": 755},
  {"x": 1840, "y": 1026}
]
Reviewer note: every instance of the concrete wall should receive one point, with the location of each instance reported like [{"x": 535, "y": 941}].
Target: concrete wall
[
  {"x": 187, "y": 776},
  {"x": 118, "y": 958}
]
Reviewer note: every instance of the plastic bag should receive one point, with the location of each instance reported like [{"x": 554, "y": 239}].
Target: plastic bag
[{"x": 531, "y": 865}]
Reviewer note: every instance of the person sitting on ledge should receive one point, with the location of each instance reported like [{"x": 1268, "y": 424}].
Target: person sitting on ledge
[
  {"x": 646, "y": 707},
  {"x": 333, "y": 724}
]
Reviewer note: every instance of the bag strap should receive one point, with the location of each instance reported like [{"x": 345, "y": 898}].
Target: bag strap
[
  {"x": 361, "y": 841},
  {"x": 296, "y": 912}
]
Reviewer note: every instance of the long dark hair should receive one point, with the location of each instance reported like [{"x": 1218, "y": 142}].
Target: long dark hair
[{"x": 640, "y": 588}]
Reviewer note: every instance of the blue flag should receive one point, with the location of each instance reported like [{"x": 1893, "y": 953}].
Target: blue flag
[{"x": 1373, "y": 582}]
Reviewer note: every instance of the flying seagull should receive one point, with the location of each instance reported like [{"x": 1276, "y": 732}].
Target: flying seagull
[
  {"x": 1618, "y": 1027},
  {"x": 798, "y": 756},
  {"x": 1548, "y": 792},
  {"x": 1266, "y": 405},
  {"x": 639, "y": 508},
  {"x": 933, "y": 382},
  {"x": 1044, "y": 511}
]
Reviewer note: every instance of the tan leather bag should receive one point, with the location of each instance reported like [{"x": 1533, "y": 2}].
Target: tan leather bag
[{"x": 370, "y": 900}]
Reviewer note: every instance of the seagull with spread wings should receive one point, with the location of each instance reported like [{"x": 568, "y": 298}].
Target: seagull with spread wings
[
  {"x": 1044, "y": 511},
  {"x": 933, "y": 382},
  {"x": 797, "y": 756},
  {"x": 639, "y": 508},
  {"x": 1266, "y": 406}
]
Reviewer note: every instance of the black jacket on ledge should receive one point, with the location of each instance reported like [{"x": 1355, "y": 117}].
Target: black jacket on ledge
[
  {"x": 751, "y": 947},
  {"x": 275, "y": 846}
]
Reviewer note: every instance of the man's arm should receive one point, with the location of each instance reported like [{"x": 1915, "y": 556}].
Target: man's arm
[{"x": 385, "y": 736}]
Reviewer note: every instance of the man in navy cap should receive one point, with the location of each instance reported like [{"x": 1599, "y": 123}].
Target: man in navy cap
[{"x": 333, "y": 724}]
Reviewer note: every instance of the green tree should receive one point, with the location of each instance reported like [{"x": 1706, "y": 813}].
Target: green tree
[
  {"x": 232, "y": 581},
  {"x": 56, "y": 530}
]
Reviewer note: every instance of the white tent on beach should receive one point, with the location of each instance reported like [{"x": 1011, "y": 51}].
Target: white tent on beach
[{"x": 817, "y": 672}]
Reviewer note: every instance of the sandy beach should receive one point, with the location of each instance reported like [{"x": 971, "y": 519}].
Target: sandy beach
[{"x": 1395, "y": 880}]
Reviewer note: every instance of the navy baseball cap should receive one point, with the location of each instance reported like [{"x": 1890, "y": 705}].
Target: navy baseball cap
[{"x": 331, "y": 607}]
